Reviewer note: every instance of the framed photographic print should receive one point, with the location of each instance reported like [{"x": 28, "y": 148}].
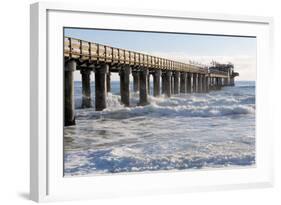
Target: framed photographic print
[{"x": 127, "y": 102}]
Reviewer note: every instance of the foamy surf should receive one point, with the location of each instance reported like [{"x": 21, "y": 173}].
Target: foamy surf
[{"x": 191, "y": 131}]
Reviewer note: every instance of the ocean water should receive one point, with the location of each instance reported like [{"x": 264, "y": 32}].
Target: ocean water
[{"x": 190, "y": 131}]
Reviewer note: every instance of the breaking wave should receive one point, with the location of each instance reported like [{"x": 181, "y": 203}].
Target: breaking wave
[
  {"x": 195, "y": 105},
  {"x": 192, "y": 131}
]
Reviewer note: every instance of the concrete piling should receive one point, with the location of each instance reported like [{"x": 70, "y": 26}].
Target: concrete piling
[
  {"x": 220, "y": 83},
  {"x": 176, "y": 82},
  {"x": 69, "y": 106},
  {"x": 162, "y": 83},
  {"x": 226, "y": 81},
  {"x": 213, "y": 83},
  {"x": 108, "y": 82},
  {"x": 148, "y": 83},
  {"x": 183, "y": 82},
  {"x": 203, "y": 83},
  {"x": 167, "y": 82},
  {"x": 101, "y": 86},
  {"x": 200, "y": 83},
  {"x": 86, "y": 88},
  {"x": 195, "y": 82},
  {"x": 188, "y": 83},
  {"x": 136, "y": 81},
  {"x": 156, "y": 83},
  {"x": 216, "y": 83},
  {"x": 207, "y": 88},
  {"x": 172, "y": 83},
  {"x": 143, "y": 86},
  {"x": 125, "y": 85},
  {"x": 231, "y": 81},
  {"x": 210, "y": 83}
]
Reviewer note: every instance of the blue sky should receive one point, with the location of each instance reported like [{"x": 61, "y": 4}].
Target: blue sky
[{"x": 182, "y": 47}]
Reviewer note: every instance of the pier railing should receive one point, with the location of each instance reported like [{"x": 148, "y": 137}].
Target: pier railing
[{"x": 98, "y": 53}]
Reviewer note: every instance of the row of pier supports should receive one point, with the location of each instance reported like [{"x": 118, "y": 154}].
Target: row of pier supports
[
  {"x": 216, "y": 83},
  {"x": 173, "y": 82}
]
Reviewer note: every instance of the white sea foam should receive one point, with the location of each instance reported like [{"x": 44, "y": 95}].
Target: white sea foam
[{"x": 182, "y": 132}]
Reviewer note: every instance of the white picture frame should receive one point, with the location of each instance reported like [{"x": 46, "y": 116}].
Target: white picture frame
[{"x": 46, "y": 24}]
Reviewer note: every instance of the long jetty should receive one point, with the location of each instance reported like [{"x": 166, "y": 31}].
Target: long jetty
[{"x": 169, "y": 77}]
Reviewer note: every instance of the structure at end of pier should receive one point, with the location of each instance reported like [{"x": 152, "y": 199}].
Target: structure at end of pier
[
  {"x": 169, "y": 77},
  {"x": 226, "y": 68}
]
